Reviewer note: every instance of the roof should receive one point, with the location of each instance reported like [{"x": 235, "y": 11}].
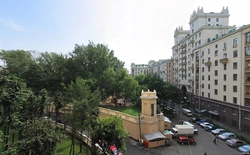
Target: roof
[
  {"x": 166, "y": 119},
  {"x": 156, "y": 135}
]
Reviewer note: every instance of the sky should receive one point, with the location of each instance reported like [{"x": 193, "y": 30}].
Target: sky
[{"x": 136, "y": 30}]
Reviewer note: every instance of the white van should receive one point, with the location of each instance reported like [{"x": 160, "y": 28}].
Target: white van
[
  {"x": 195, "y": 129},
  {"x": 187, "y": 112}
]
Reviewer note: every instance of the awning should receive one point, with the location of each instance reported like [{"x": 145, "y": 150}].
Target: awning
[
  {"x": 157, "y": 135},
  {"x": 214, "y": 112}
]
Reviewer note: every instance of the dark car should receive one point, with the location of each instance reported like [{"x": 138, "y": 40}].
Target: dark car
[
  {"x": 195, "y": 119},
  {"x": 235, "y": 142},
  {"x": 185, "y": 140},
  {"x": 210, "y": 127}
]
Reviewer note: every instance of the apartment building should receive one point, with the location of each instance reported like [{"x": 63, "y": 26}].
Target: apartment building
[
  {"x": 212, "y": 67},
  {"x": 163, "y": 68}
]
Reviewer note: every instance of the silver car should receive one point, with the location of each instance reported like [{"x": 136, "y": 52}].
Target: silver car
[
  {"x": 227, "y": 135},
  {"x": 218, "y": 131}
]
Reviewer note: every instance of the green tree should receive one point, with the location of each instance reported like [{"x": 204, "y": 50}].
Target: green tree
[
  {"x": 84, "y": 104},
  {"x": 39, "y": 137},
  {"x": 111, "y": 130},
  {"x": 17, "y": 61}
]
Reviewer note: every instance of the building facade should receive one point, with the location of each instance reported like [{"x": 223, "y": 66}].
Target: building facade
[
  {"x": 163, "y": 68},
  {"x": 211, "y": 64}
]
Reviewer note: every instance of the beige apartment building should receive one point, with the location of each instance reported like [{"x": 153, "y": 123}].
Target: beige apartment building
[
  {"x": 211, "y": 64},
  {"x": 163, "y": 68}
]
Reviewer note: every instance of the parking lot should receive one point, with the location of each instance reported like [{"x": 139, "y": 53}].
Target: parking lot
[{"x": 204, "y": 140}]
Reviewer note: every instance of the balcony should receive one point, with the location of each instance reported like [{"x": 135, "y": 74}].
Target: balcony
[
  {"x": 247, "y": 57},
  {"x": 247, "y": 95},
  {"x": 224, "y": 60},
  {"x": 197, "y": 63},
  {"x": 247, "y": 69},
  {"x": 209, "y": 63},
  {"x": 184, "y": 57},
  {"x": 183, "y": 51}
]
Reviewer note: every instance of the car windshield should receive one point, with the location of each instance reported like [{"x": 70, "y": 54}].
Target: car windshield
[
  {"x": 247, "y": 147},
  {"x": 226, "y": 134}
]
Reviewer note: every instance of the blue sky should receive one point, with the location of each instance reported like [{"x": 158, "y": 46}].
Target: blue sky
[{"x": 137, "y": 30}]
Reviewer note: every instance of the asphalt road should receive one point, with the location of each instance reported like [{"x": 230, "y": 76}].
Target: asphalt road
[{"x": 203, "y": 140}]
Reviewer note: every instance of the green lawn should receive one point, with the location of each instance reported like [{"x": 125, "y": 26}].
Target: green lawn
[
  {"x": 64, "y": 147},
  {"x": 131, "y": 110}
]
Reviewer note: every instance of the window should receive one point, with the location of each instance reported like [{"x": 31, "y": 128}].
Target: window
[
  {"x": 235, "y": 65},
  {"x": 224, "y": 87},
  {"x": 202, "y": 94},
  {"x": 208, "y": 50},
  {"x": 216, "y": 62},
  {"x": 192, "y": 24},
  {"x": 225, "y": 46},
  {"x": 248, "y": 37},
  {"x": 192, "y": 30},
  {"x": 215, "y": 82},
  {"x": 248, "y": 50},
  {"x": 235, "y": 42},
  {"x": 196, "y": 36},
  {"x": 208, "y": 68},
  {"x": 224, "y": 55},
  {"x": 200, "y": 34},
  {"x": 208, "y": 77},
  {"x": 225, "y": 66},
  {"x": 152, "y": 109},
  {"x": 235, "y": 77},
  {"x": 208, "y": 95},
  {"x": 225, "y": 77},
  {"x": 216, "y": 91},
  {"x": 208, "y": 24},
  {"x": 209, "y": 19},
  {"x": 202, "y": 77},
  {"x": 235, "y": 54},
  {"x": 217, "y": 19},
  {"x": 224, "y": 108},
  {"x": 235, "y": 100},
  {"x": 208, "y": 86},
  {"x": 202, "y": 69},
  {"x": 216, "y": 73},
  {"x": 235, "y": 89},
  {"x": 202, "y": 86},
  {"x": 234, "y": 111},
  {"x": 216, "y": 53},
  {"x": 224, "y": 98},
  {"x": 208, "y": 59},
  {"x": 247, "y": 115},
  {"x": 216, "y": 46},
  {"x": 202, "y": 61}
]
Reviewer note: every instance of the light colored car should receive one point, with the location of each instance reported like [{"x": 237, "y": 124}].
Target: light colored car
[
  {"x": 218, "y": 131},
  {"x": 227, "y": 135},
  {"x": 245, "y": 149},
  {"x": 235, "y": 142}
]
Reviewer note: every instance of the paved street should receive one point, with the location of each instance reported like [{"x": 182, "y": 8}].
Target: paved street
[{"x": 203, "y": 140}]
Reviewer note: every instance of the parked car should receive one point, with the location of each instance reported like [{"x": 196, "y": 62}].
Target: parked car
[
  {"x": 245, "y": 149},
  {"x": 114, "y": 151},
  {"x": 218, "y": 131},
  {"x": 210, "y": 127},
  {"x": 185, "y": 140},
  {"x": 235, "y": 142},
  {"x": 204, "y": 124},
  {"x": 227, "y": 135},
  {"x": 195, "y": 119},
  {"x": 201, "y": 121}
]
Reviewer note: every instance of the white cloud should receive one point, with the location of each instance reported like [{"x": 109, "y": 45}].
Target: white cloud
[{"x": 12, "y": 25}]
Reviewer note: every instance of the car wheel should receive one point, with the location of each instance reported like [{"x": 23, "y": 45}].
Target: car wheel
[{"x": 182, "y": 143}]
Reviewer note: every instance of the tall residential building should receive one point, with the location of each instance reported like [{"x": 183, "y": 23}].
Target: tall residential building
[
  {"x": 160, "y": 68},
  {"x": 211, "y": 66}
]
